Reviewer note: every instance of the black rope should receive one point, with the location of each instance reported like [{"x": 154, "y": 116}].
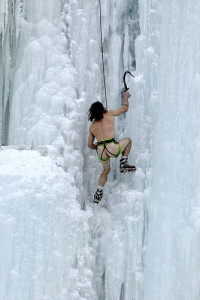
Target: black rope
[{"x": 102, "y": 57}]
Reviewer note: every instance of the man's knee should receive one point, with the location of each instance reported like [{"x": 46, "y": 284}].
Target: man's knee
[{"x": 129, "y": 141}]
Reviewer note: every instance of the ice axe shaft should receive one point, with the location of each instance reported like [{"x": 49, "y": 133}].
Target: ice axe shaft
[{"x": 124, "y": 80}]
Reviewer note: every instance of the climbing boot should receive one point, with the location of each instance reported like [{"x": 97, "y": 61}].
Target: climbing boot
[
  {"x": 98, "y": 195},
  {"x": 125, "y": 167}
]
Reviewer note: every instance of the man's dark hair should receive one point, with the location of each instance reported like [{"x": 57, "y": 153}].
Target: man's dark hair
[{"x": 96, "y": 111}]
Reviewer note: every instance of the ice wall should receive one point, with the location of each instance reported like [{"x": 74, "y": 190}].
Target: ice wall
[
  {"x": 118, "y": 269},
  {"x": 54, "y": 74},
  {"x": 39, "y": 195},
  {"x": 168, "y": 58},
  {"x": 10, "y": 12},
  {"x": 44, "y": 250},
  {"x": 142, "y": 241}
]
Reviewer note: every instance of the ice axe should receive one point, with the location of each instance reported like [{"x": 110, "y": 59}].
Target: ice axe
[{"x": 124, "y": 80}]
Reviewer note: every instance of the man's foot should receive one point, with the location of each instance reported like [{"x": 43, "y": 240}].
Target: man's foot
[
  {"x": 125, "y": 167},
  {"x": 98, "y": 195}
]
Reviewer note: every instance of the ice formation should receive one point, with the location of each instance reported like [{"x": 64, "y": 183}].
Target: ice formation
[{"x": 142, "y": 241}]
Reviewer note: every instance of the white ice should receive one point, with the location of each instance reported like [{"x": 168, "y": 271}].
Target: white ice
[
  {"x": 39, "y": 250},
  {"x": 170, "y": 42},
  {"x": 142, "y": 241}
]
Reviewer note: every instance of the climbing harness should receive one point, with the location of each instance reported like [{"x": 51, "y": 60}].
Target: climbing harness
[
  {"x": 104, "y": 143},
  {"x": 102, "y": 57},
  {"x": 124, "y": 80}
]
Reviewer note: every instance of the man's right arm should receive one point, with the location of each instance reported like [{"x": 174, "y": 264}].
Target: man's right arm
[
  {"x": 124, "y": 108},
  {"x": 91, "y": 138}
]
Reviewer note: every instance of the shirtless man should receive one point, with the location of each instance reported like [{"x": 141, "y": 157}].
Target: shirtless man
[{"x": 103, "y": 129}]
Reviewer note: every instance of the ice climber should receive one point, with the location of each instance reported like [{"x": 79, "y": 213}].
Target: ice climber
[{"x": 103, "y": 129}]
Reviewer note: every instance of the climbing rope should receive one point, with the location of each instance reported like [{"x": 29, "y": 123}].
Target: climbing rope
[{"x": 102, "y": 57}]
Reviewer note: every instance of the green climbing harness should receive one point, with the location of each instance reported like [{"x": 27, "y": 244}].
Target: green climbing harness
[{"x": 104, "y": 143}]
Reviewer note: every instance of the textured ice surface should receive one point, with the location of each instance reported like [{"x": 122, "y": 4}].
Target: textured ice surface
[
  {"x": 44, "y": 232},
  {"x": 142, "y": 241},
  {"x": 56, "y": 74},
  {"x": 168, "y": 51}
]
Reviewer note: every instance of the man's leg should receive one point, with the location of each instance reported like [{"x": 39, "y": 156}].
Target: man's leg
[
  {"x": 104, "y": 175},
  {"x": 102, "y": 180},
  {"x": 125, "y": 144}
]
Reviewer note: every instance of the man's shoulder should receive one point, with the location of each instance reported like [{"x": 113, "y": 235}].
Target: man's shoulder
[
  {"x": 110, "y": 113},
  {"x": 92, "y": 126}
]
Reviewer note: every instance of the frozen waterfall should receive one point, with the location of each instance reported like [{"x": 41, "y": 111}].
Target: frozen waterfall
[{"x": 142, "y": 241}]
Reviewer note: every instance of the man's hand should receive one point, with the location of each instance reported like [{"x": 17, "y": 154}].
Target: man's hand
[
  {"x": 127, "y": 94},
  {"x": 124, "y": 108}
]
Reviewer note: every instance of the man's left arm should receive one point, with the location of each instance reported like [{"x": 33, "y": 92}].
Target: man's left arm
[{"x": 91, "y": 138}]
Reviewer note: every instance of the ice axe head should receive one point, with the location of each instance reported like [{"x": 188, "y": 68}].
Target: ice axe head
[{"x": 124, "y": 80}]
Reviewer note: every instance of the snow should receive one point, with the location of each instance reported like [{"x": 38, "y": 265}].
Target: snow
[{"x": 39, "y": 213}]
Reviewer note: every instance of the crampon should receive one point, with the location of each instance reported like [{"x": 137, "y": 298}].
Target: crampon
[
  {"x": 98, "y": 196},
  {"x": 125, "y": 167}
]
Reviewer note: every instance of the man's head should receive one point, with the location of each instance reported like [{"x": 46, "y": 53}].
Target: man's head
[{"x": 96, "y": 111}]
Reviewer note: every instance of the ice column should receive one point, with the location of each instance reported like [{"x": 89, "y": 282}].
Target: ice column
[
  {"x": 168, "y": 53},
  {"x": 10, "y": 12}
]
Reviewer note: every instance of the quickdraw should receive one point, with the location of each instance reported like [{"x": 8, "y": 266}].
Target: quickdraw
[{"x": 124, "y": 80}]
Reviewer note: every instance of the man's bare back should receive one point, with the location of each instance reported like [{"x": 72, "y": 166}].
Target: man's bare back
[{"x": 105, "y": 128}]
